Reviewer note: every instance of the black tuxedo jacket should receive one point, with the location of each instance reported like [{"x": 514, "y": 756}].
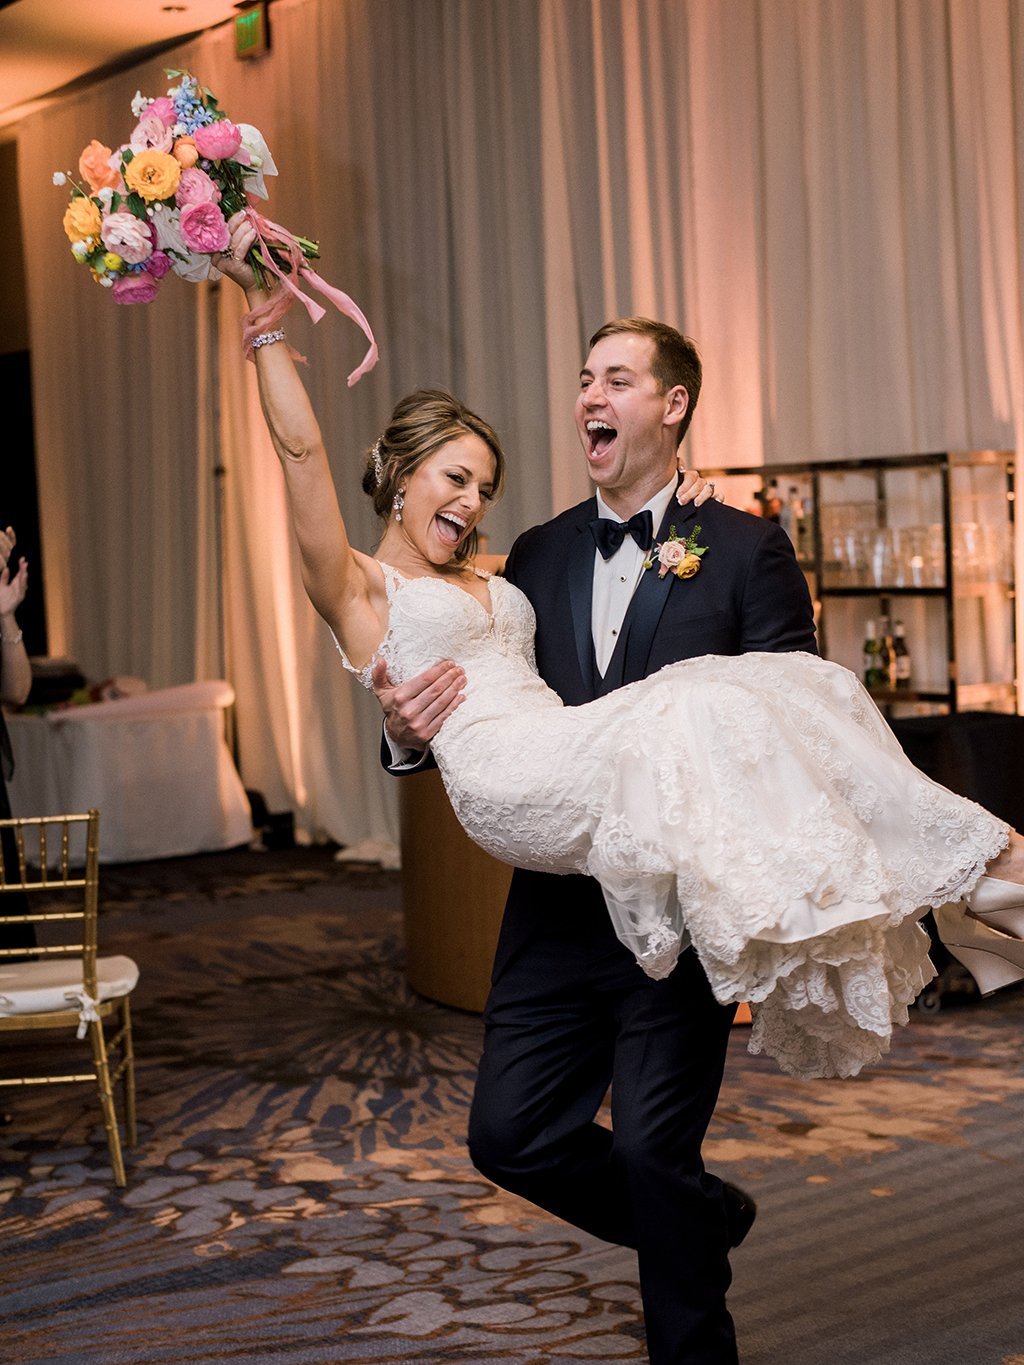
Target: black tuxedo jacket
[{"x": 748, "y": 595}]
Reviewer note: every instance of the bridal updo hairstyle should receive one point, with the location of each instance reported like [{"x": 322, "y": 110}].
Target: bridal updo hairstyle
[{"x": 420, "y": 425}]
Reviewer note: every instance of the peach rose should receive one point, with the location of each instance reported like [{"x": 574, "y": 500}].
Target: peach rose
[
  {"x": 95, "y": 169},
  {"x": 185, "y": 152},
  {"x": 153, "y": 175},
  {"x": 81, "y": 219}
]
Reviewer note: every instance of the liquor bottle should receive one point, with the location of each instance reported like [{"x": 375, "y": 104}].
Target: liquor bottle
[
  {"x": 771, "y": 501},
  {"x": 872, "y": 648},
  {"x": 901, "y": 656},
  {"x": 886, "y": 654},
  {"x": 791, "y": 515}
]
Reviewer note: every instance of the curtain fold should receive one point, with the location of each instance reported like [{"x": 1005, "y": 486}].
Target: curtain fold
[{"x": 828, "y": 197}]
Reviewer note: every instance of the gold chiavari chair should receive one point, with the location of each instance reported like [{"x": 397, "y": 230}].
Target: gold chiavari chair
[{"x": 61, "y": 984}]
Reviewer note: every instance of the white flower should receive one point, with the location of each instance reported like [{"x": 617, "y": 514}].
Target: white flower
[
  {"x": 178, "y": 130},
  {"x": 261, "y": 162},
  {"x": 140, "y": 104},
  {"x": 105, "y": 194},
  {"x": 79, "y": 250},
  {"x": 59, "y": 178},
  {"x": 107, "y": 281}
]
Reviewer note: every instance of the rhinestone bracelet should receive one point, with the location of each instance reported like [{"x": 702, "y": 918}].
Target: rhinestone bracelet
[
  {"x": 267, "y": 339},
  {"x": 12, "y": 639}
]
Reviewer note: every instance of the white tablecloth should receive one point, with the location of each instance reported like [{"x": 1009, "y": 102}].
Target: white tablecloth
[{"x": 156, "y": 766}]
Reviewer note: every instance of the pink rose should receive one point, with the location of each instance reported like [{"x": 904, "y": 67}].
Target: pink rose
[
  {"x": 129, "y": 236},
  {"x": 164, "y": 110},
  {"x": 672, "y": 553},
  {"x": 151, "y": 135},
  {"x": 219, "y": 140},
  {"x": 195, "y": 187},
  {"x": 158, "y": 264},
  {"x": 141, "y": 288},
  {"x": 203, "y": 228}
]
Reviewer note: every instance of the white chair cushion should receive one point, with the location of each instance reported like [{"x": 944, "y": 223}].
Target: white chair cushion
[{"x": 56, "y": 984}]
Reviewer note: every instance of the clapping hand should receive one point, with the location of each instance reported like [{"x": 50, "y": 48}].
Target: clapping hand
[{"x": 13, "y": 585}]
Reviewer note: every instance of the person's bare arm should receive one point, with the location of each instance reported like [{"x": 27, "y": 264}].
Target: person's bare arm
[
  {"x": 15, "y": 669},
  {"x": 334, "y": 574}
]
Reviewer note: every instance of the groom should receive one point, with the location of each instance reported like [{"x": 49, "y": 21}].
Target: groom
[{"x": 570, "y": 1013}]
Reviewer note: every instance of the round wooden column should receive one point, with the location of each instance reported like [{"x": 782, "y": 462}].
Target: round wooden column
[{"x": 454, "y": 894}]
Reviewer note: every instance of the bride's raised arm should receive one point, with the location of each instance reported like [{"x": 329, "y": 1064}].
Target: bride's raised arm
[{"x": 338, "y": 579}]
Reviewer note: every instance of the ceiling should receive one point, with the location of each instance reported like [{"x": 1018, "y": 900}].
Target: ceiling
[{"x": 48, "y": 45}]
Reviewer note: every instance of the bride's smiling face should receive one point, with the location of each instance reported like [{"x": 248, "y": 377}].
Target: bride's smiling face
[{"x": 447, "y": 495}]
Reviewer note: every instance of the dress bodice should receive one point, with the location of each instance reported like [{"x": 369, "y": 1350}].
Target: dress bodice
[{"x": 430, "y": 619}]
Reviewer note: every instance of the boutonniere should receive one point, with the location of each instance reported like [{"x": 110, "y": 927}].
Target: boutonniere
[{"x": 673, "y": 555}]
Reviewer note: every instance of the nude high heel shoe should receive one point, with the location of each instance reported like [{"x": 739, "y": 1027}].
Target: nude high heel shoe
[
  {"x": 999, "y": 904},
  {"x": 994, "y": 959}
]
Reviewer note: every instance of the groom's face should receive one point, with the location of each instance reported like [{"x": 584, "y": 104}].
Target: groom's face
[{"x": 626, "y": 422}]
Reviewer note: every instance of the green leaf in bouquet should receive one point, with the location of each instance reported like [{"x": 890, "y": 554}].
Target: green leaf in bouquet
[{"x": 136, "y": 204}]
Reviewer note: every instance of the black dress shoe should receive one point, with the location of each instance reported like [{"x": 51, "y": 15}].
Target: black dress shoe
[{"x": 740, "y": 1212}]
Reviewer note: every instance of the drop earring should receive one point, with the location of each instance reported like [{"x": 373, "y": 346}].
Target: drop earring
[{"x": 397, "y": 503}]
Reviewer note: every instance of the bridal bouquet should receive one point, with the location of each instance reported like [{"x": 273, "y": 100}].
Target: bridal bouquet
[{"x": 161, "y": 202}]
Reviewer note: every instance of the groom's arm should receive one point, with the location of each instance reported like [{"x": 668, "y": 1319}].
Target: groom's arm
[{"x": 777, "y": 612}]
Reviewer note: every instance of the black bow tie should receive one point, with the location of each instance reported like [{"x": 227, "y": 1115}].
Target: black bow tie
[{"x": 609, "y": 535}]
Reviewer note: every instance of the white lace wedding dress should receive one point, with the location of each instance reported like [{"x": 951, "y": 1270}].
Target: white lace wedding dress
[{"x": 758, "y": 802}]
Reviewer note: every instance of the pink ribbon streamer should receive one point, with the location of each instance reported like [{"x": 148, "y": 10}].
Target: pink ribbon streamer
[{"x": 268, "y": 314}]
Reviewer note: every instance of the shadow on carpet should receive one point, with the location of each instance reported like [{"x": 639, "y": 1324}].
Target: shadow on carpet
[{"x": 301, "y": 1192}]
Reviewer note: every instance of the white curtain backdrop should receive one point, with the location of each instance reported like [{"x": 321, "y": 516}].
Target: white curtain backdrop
[{"x": 827, "y": 194}]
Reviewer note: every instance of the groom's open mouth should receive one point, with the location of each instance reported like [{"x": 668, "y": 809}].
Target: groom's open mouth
[
  {"x": 450, "y": 528},
  {"x": 601, "y": 436}
]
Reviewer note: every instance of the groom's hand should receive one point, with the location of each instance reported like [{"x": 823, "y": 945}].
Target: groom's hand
[{"x": 414, "y": 711}]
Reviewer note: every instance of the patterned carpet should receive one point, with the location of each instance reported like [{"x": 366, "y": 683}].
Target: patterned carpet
[{"x": 300, "y": 1191}]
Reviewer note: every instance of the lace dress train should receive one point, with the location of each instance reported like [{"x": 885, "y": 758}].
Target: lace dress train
[{"x": 758, "y": 806}]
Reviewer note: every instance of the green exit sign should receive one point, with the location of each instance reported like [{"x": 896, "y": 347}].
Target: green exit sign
[{"x": 252, "y": 37}]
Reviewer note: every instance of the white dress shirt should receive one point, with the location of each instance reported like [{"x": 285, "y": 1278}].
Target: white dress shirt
[{"x": 616, "y": 579}]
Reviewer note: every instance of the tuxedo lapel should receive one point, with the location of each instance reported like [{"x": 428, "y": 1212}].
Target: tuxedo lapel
[
  {"x": 581, "y": 596},
  {"x": 649, "y": 600}
]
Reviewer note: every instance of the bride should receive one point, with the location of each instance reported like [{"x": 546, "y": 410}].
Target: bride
[{"x": 811, "y": 914}]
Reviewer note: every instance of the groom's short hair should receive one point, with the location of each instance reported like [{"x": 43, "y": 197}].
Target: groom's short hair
[{"x": 676, "y": 360}]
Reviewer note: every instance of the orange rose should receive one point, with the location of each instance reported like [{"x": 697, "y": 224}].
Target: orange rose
[
  {"x": 185, "y": 152},
  {"x": 688, "y": 567},
  {"x": 154, "y": 175},
  {"x": 94, "y": 167},
  {"x": 81, "y": 219}
]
